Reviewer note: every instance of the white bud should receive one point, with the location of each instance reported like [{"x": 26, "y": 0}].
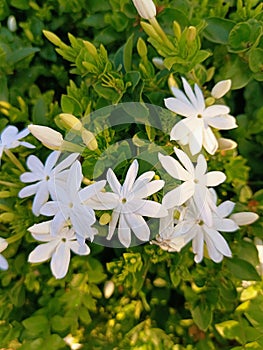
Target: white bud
[
  {"x": 11, "y": 23},
  {"x": 221, "y": 88},
  {"x": 50, "y": 138},
  {"x": 145, "y": 8},
  {"x": 108, "y": 289},
  {"x": 158, "y": 62},
  {"x": 226, "y": 144},
  {"x": 244, "y": 218}
]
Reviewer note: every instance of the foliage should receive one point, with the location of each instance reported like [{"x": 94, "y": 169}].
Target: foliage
[{"x": 77, "y": 57}]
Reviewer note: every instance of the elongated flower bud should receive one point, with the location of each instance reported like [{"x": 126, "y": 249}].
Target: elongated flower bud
[
  {"x": 70, "y": 121},
  {"x": 89, "y": 139},
  {"x": 145, "y": 8},
  {"x": 50, "y": 138},
  {"x": 221, "y": 88}
]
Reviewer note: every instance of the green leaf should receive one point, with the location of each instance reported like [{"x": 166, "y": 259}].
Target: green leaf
[
  {"x": 244, "y": 35},
  {"x": 127, "y": 54},
  {"x": 71, "y": 105},
  {"x": 202, "y": 315},
  {"x": 84, "y": 316},
  {"x": 36, "y": 324},
  {"x": 255, "y": 60},
  {"x": 242, "y": 269},
  {"x": 218, "y": 29},
  {"x": 230, "y": 330},
  {"x": 20, "y": 54},
  {"x": 20, "y": 4}
]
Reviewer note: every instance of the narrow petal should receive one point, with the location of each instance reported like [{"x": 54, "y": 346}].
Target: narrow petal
[
  {"x": 149, "y": 189},
  {"x": 138, "y": 226},
  {"x": 180, "y": 107},
  {"x": 225, "y": 208},
  {"x": 201, "y": 167},
  {"x": 124, "y": 232},
  {"x": 66, "y": 163},
  {"x": 113, "y": 181},
  {"x": 28, "y": 191},
  {"x": 81, "y": 221},
  {"x": 79, "y": 249},
  {"x": 200, "y": 105},
  {"x": 130, "y": 178},
  {"x": 112, "y": 225},
  {"x": 224, "y": 225},
  {"x": 189, "y": 92},
  {"x": 42, "y": 252},
  {"x": 90, "y": 191},
  {"x": 57, "y": 223},
  {"x": 9, "y": 134},
  {"x": 74, "y": 178},
  {"x": 147, "y": 208},
  {"x": 218, "y": 241},
  {"x": 222, "y": 122},
  {"x": 50, "y": 208},
  {"x": 202, "y": 200},
  {"x": 185, "y": 160},
  {"x": 23, "y": 133},
  {"x": 214, "y": 178},
  {"x": 60, "y": 261},
  {"x": 244, "y": 218},
  {"x": 215, "y": 110},
  {"x": 180, "y": 130},
  {"x": 174, "y": 168},
  {"x": 214, "y": 254},
  {"x": 51, "y": 161},
  {"x": 103, "y": 201},
  {"x": 3, "y": 263},
  {"x": 210, "y": 142},
  {"x": 221, "y": 88},
  {"x": 27, "y": 144},
  {"x": 31, "y": 177},
  {"x": 41, "y": 228},
  {"x": 196, "y": 137},
  {"x": 40, "y": 198},
  {"x": 179, "y": 94},
  {"x": 179, "y": 195},
  {"x": 198, "y": 245}
]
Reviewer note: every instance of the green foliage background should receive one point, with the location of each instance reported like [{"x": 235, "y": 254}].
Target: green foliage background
[{"x": 94, "y": 54}]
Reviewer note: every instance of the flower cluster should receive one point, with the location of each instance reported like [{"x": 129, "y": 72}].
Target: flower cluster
[{"x": 189, "y": 211}]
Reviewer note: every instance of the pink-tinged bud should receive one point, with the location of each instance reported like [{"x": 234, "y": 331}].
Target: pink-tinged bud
[
  {"x": 221, "y": 88},
  {"x": 145, "y": 8},
  {"x": 226, "y": 144},
  {"x": 50, "y": 138}
]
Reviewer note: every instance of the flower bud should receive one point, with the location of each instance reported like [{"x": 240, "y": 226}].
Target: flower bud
[
  {"x": 158, "y": 62},
  {"x": 221, "y": 88},
  {"x": 145, "y": 8},
  {"x": 89, "y": 139},
  {"x": 244, "y": 218},
  {"x": 70, "y": 121},
  {"x": 11, "y": 23},
  {"x": 177, "y": 30},
  {"x": 108, "y": 289},
  {"x": 226, "y": 144},
  {"x": 191, "y": 34},
  {"x": 105, "y": 219},
  {"x": 50, "y": 138}
]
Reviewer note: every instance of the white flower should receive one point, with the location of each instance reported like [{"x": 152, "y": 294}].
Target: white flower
[
  {"x": 192, "y": 227},
  {"x": 10, "y": 138},
  {"x": 221, "y": 88},
  {"x": 50, "y": 138},
  {"x": 195, "y": 130},
  {"x": 3, "y": 261},
  {"x": 129, "y": 205},
  {"x": 46, "y": 178},
  {"x": 57, "y": 247},
  {"x": 196, "y": 182},
  {"x": 145, "y": 8},
  {"x": 70, "y": 205}
]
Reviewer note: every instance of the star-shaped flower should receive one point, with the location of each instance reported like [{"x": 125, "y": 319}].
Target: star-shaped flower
[
  {"x": 45, "y": 177},
  {"x": 69, "y": 204},
  {"x": 129, "y": 204},
  {"x": 57, "y": 247},
  {"x": 10, "y": 138},
  {"x": 195, "y": 130},
  {"x": 196, "y": 182},
  {"x": 3, "y": 261}
]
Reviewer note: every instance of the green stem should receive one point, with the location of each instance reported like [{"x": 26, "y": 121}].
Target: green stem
[
  {"x": 15, "y": 237},
  {"x": 161, "y": 33},
  {"x": 14, "y": 160}
]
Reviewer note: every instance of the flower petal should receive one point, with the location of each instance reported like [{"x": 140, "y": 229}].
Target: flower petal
[
  {"x": 3, "y": 263},
  {"x": 66, "y": 163},
  {"x": 124, "y": 232},
  {"x": 35, "y": 165},
  {"x": 179, "y": 195},
  {"x": 42, "y": 252},
  {"x": 180, "y": 107},
  {"x": 201, "y": 167},
  {"x": 225, "y": 208},
  {"x": 222, "y": 122},
  {"x": 148, "y": 189},
  {"x": 51, "y": 161},
  {"x": 138, "y": 226},
  {"x": 28, "y": 191},
  {"x": 31, "y": 177},
  {"x": 214, "y": 178},
  {"x": 244, "y": 218},
  {"x": 210, "y": 142},
  {"x": 103, "y": 201},
  {"x": 225, "y": 225},
  {"x": 91, "y": 191},
  {"x": 112, "y": 224},
  {"x": 130, "y": 178},
  {"x": 147, "y": 208},
  {"x": 174, "y": 168},
  {"x": 221, "y": 88},
  {"x": 50, "y": 208},
  {"x": 196, "y": 137},
  {"x": 113, "y": 181},
  {"x": 198, "y": 245},
  {"x": 181, "y": 130},
  {"x": 215, "y": 110},
  {"x": 60, "y": 261},
  {"x": 79, "y": 249},
  {"x": 185, "y": 160},
  {"x": 218, "y": 241},
  {"x": 40, "y": 198}
]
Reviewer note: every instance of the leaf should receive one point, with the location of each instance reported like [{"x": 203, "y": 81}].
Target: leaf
[
  {"x": 255, "y": 60},
  {"x": 127, "y": 54},
  {"x": 242, "y": 269},
  {"x": 36, "y": 324},
  {"x": 20, "y": 54},
  {"x": 218, "y": 29},
  {"x": 229, "y": 329},
  {"x": 71, "y": 105},
  {"x": 202, "y": 315}
]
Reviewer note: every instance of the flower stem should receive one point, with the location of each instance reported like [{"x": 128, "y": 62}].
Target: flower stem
[
  {"x": 161, "y": 33},
  {"x": 15, "y": 237},
  {"x": 14, "y": 160}
]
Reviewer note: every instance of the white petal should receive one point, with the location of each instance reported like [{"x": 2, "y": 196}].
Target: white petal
[
  {"x": 27, "y": 144},
  {"x": 148, "y": 208},
  {"x": 225, "y": 225},
  {"x": 189, "y": 92},
  {"x": 74, "y": 178},
  {"x": 50, "y": 208},
  {"x": 130, "y": 178},
  {"x": 60, "y": 261},
  {"x": 67, "y": 162},
  {"x": 23, "y": 133},
  {"x": 218, "y": 241},
  {"x": 179, "y": 195},
  {"x": 90, "y": 191},
  {"x": 181, "y": 130},
  {"x": 3, "y": 263},
  {"x": 198, "y": 245},
  {"x": 226, "y": 144},
  {"x": 202, "y": 199},
  {"x": 31, "y": 177},
  {"x": 112, "y": 224},
  {"x": 40, "y": 198},
  {"x": 103, "y": 201},
  {"x": 210, "y": 142},
  {"x": 199, "y": 98},
  {"x": 57, "y": 223},
  {"x": 9, "y": 134},
  {"x": 174, "y": 168},
  {"x": 180, "y": 107},
  {"x": 113, "y": 181},
  {"x": 79, "y": 249},
  {"x": 214, "y": 178},
  {"x": 225, "y": 208},
  {"x": 201, "y": 167},
  {"x": 124, "y": 232},
  {"x": 222, "y": 122},
  {"x": 185, "y": 160},
  {"x": 51, "y": 161},
  {"x": 196, "y": 137},
  {"x": 221, "y": 88},
  {"x": 42, "y": 252},
  {"x": 179, "y": 94},
  {"x": 138, "y": 226},
  {"x": 28, "y": 191},
  {"x": 82, "y": 220},
  {"x": 41, "y": 228},
  {"x": 244, "y": 218},
  {"x": 214, "y": 254},
  {"x": 149, "y": 189},
  {"x": 215, "y": 110},
  {"x": 3, "y": 244}
]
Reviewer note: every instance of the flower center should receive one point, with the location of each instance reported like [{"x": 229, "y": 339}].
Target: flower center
[
  {"x": 199, "y": 116},
  {"x": 124, "y": 200},
  {"x": 47, "y": 178},
  {"x": 70, "y": 205},
  {"x": 64, "y": 240}
]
